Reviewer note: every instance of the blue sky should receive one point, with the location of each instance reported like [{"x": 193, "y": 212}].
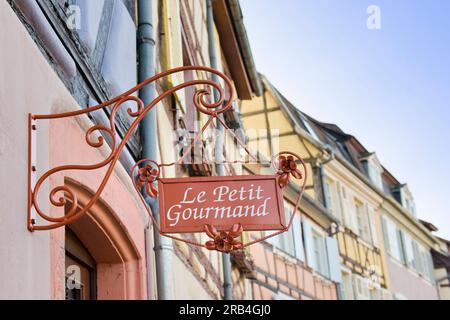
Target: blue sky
[{"x": 390, "y": 87}]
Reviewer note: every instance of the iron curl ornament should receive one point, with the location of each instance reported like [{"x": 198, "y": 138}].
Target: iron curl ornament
[{"x": 145, "y": 173}]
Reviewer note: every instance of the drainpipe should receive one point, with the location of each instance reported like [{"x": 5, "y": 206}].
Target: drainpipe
[
  {"x": 149, "y": 141},
  {"x": 218, "y": 149}
]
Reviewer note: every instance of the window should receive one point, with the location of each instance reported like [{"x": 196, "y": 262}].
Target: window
[
  {"x": 361, "y": 288},
  {"x": 375, "y": 293},
  {"x": 386, "y": 294},
  {"x": 298, "y": 240},
  {"x": 334, "y": 259},
  {"x": 316, "y": 247},
  {"x": 374, "y": 170},
  {"x": 284, "y": 241},
  {"x": 347, "y": 288},
  {"x": 409, "y": 251},
  {"x": 401, "y": 245},
  {"x": 407, "y": 200},
  {"x": 414, "y": 255},
  {"x": 333, "y": 199},
  {"x": 391, "y": 238},
  {"x": 424, "y": 263},
  {"x": 282, "y": 296},
  {"x": 430, "y": 266},
  {"x": 320, "y": 253},
  {"x": 362, "y": 218},
  {"x": 417, "y": 258},
  {"x": 349, "y": 210},
  {"x": 375, "y": 175},
  {"x": 399, "y": 296}
]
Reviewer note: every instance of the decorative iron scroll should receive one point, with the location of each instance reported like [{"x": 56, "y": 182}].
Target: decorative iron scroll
[{"x": 145, "y": 173}]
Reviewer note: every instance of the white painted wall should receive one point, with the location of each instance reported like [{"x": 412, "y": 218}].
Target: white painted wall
[
  {"x": 27, "y": 84},
  {"x": 408, "y": 283}
]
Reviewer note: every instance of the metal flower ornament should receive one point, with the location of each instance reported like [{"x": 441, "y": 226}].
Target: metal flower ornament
[
  {"x": 253, "y": 210},
  {"x": 286, "y": 168},
  {"x": 224, "y": 241},
  {"x": 147, "y": 176}
]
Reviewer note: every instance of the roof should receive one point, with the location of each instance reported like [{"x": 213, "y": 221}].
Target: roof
[
  {"x": 340, "y": 142},
  {"x": 429, "y": 225},
  {"x": 236, "y": 48},
  {"x": 440, "y": 260},
  {"x": 241, "y": 32},
  {"x": 348, "y": 150}
]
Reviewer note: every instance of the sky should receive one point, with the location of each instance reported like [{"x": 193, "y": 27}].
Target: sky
[{"x": 389, "y": 87}]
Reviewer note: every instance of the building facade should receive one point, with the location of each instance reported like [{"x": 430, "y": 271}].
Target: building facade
[
  {"x": 441, "y": 262},
  {"x": 302, "y": 263},
  {"x": 355, "y": 235},
  {"x": 384, "y": 250},
  {"x": 408, "y": 245},
  {"x": 75, "y": 54}
]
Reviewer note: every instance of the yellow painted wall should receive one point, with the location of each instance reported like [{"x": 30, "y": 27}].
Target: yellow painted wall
[{"x": 263, "y": 119}]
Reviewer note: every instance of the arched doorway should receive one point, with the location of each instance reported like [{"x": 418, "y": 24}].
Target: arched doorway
[
  {"x": 99, "y": 245},
  {"x": 81, "y": 273}
]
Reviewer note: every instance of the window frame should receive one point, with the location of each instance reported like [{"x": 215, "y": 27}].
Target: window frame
[{"x": 320, "y": 252}]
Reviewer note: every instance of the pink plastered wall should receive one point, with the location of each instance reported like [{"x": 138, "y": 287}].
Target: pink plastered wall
[{"x": 115, "y": 234}]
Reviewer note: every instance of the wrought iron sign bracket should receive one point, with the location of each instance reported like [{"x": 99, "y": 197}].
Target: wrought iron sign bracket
[{"x": 146, "y": 172}]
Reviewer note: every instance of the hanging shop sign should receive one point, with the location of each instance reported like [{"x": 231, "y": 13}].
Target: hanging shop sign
[
  {"x": 222, "y": 207},
  {"x": 188, "y": 204}
]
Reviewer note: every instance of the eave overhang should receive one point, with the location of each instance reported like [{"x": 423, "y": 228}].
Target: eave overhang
[{"x": 236, "y": 49}]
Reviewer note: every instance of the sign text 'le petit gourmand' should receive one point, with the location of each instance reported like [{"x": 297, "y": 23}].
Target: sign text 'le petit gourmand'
[{"x": 188, "y": 204}]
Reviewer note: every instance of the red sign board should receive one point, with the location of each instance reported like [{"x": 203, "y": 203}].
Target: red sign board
[{"x": 188, "y": 204}]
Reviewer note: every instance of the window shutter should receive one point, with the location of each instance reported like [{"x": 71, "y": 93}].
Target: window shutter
[
  {"x": 424, "y": 262},
  {"x": 430, "y": 267},
  {"x": 417, "y": 258},
  {"x": 386, "y": 294},
  {"x": 357, "y": 286},
  {"x": 346, "y": 214},
  {"x": 309, "y": 243},
  {"x": 353, "y": 215},
  {"x": 361, "y": 288},
  {"x": 327, "y": 194},
  {"x": 401, "y": 246},
  {"x": 282, "y": 296},
  {"x": 334, "y": 264},
  {"x": 367, "y": 232},
  {"x": 347, "y": 286},
  {"x": 338, "y": 200},
  {"x": 385, "y": 234},
  {"x": 333, "y": 199},
  {"x": 399, "y": 296},
  {"x": 298, "y": 241},
  {"x": 286, "y": 241},
  {"x": 274, "y": 240},
  {"x": 393, "y": 242},
  {"x": 409, "y": 251},
  {"x": 365, "y": 288},
  {"x": 372, "y": 223}
]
